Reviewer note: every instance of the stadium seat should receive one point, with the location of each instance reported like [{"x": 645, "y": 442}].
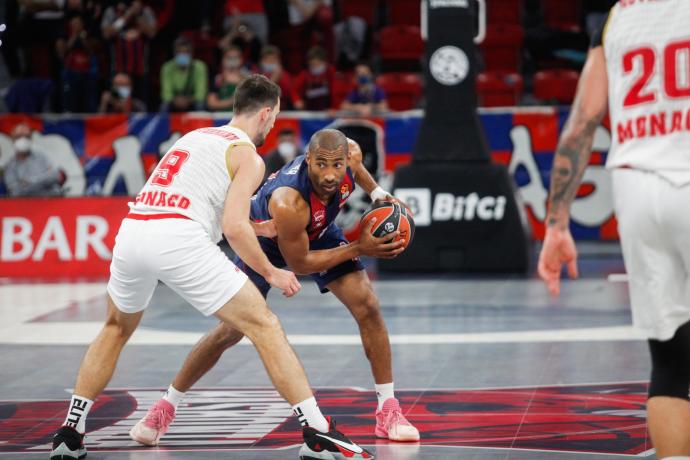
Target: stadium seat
[
  {"x": 502, "y": 48},
  {"x": 504, "y": 12},
  {"x": 499, "y": 89},
  {"x": 401, "y": 47},
  {"x": 342, "y": 85},
  {"x": 562, "y": 14},
  {"x": 403, "y": 90},
  {"x": 205, "y": 47},
  {"x": 365, "y": 9},
  {"x": 404, "y": 12},
  {"x": 557, "y": 85}
]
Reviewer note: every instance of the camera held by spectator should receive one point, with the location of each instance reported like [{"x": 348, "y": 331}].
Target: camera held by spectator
[{"x": 119, "y": 99}]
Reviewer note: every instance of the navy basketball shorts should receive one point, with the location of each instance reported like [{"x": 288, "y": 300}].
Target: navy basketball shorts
[{"x": 332, "y": 238}]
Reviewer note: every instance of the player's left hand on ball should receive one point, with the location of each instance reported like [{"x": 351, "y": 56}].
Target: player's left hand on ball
[
  {"x": 558, "y": 249},
  {"x": 393, "y": 199}
]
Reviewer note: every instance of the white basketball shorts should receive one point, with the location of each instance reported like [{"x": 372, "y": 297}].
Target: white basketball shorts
[
  {"x": 177, "y": 252},
  {"x": 654, "y": 226}
]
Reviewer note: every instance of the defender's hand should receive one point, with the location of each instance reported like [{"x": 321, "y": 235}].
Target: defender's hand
[
  {"x": 284, "y": 280},
  {"x": 559, "y": 248}
]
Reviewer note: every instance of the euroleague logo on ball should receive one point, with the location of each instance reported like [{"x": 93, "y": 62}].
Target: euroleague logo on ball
[{"x": 389, "y": 227}]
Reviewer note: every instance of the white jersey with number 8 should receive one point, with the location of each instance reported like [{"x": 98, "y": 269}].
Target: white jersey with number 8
[
  {"x": 647, "y": 48},
  {"x": 193, "y": 178}
]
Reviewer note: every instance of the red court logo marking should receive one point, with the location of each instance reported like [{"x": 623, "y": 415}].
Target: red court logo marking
[{"x": 603, "y": 418}]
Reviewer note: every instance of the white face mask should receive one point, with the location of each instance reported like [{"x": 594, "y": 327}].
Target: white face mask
[
  {"x": 287, "y": 150},
  {"x": 123, "y": 91},
  {"x": 22, "y": 144}
]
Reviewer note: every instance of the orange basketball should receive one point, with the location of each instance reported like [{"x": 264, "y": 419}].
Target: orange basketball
[{"x": 389, "y": 218}]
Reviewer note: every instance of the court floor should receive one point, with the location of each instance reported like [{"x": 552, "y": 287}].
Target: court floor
[{"x": 485, "y": 367}]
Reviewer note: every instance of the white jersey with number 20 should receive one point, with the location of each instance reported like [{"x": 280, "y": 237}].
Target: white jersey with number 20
[
  {"x": 193, "y": 178},
  {"x": 647, "y": 48}
]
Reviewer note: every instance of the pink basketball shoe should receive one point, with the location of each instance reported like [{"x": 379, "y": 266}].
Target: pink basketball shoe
[
  {"x": 149, "y": 430},
  {"x": 392, "y": 424}
]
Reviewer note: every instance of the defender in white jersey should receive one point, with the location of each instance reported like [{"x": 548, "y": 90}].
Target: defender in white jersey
[
  {"x": 202, "y": 185},
  {"x": 639, "y": 64}
]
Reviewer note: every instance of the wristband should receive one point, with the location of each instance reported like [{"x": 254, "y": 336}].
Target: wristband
[{"x": 378, "y": 194}]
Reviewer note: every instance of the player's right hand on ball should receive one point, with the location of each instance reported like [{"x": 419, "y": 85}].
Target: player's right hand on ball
[
  {"x": 384, "y": 247},
  {"x": 284, "y": 280}
]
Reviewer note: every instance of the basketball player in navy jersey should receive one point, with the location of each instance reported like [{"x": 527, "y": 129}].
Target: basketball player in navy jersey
[{"x": 302, "y": 200}]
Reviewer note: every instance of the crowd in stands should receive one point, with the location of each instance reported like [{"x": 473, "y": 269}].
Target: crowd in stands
[
  {"x": 86, "y": 56},
  {"x": 359, "y": 56},
  {"x": 363, "y": 56}
]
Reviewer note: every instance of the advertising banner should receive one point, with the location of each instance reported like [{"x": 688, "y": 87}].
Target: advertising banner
[
  {"x": 112, "y": 155},
  {"x": 59, "y": 237}
]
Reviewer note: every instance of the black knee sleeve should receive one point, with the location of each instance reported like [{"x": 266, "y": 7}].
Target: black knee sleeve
[{"x": 671, "y": 365}]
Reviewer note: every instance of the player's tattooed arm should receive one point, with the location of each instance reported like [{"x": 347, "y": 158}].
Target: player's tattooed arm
[
  {"x": 575, "y": 145},
  {"x": 570, "y": 161}
]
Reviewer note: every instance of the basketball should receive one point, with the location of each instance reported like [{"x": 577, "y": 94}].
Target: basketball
[{"x": 390, "y": 217}]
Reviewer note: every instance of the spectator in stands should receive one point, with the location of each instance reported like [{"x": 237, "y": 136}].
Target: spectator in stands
[
  {"x": 313, "y": 19},
  {"x": 184, "y": 80},
  {"x": 231, "y": 74},
  {"x": 367, "y": 97},
  {"x": 242, "y": 35},
  {"x": 313, "y": 88},
  {"x": 119, "y": 98},
  {"x": 129, "y": 26},
  {"x": 248, "y": 12},
  {"x": 79, "y": 68},
  {"x": 286, "y": 150},
  {"x": 91, "y": 13},
  {"x": 272, "y": 67},
  {"x": 30, "y": 173},
  {"x": 41, "y": 23}
]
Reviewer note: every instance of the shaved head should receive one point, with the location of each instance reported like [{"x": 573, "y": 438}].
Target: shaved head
[
  {"x": 328, "y": 141},
  {"x": 327, "y": 162}
]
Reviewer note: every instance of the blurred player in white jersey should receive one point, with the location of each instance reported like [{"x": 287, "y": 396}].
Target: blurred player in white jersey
[
  {"x": 202, "y": 185},
  {"x": 639, "y": 64}
]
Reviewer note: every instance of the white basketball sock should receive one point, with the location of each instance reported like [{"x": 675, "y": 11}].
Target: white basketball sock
[
  {"x": 309, "y": 414},
  {"x": 79, "y": 408},
  {"x": 383, "y": 392},
  {"x": 173, "y": 396}
]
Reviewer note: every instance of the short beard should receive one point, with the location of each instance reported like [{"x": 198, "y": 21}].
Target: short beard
[{"x": 259, "y": 140}]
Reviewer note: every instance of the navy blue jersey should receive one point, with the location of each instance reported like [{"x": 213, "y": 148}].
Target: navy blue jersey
[{"x": 295, "y": 175}]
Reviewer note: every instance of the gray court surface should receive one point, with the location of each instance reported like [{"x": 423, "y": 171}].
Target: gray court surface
[{"x": 486, "y": 367}]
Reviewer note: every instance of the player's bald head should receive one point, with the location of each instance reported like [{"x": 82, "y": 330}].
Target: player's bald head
[{"x": 328, "y": 142}]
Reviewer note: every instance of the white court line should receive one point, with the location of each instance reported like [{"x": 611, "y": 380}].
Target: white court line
[
  {"x": 618, "y": 278},
  {"x": 82, "y": 333}
]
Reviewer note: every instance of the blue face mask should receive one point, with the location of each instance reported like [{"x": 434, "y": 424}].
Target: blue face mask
[
  {"x": 183, "y": 59},
  {"x": 364, "y": 79},
  {"x": 123, "y": 91},
  {"x": 269, "y": 68},
  {"x": 318, "y": 70}
]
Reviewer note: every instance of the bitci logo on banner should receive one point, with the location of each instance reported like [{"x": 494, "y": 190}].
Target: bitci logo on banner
[{"x": 447, "y": 207}]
